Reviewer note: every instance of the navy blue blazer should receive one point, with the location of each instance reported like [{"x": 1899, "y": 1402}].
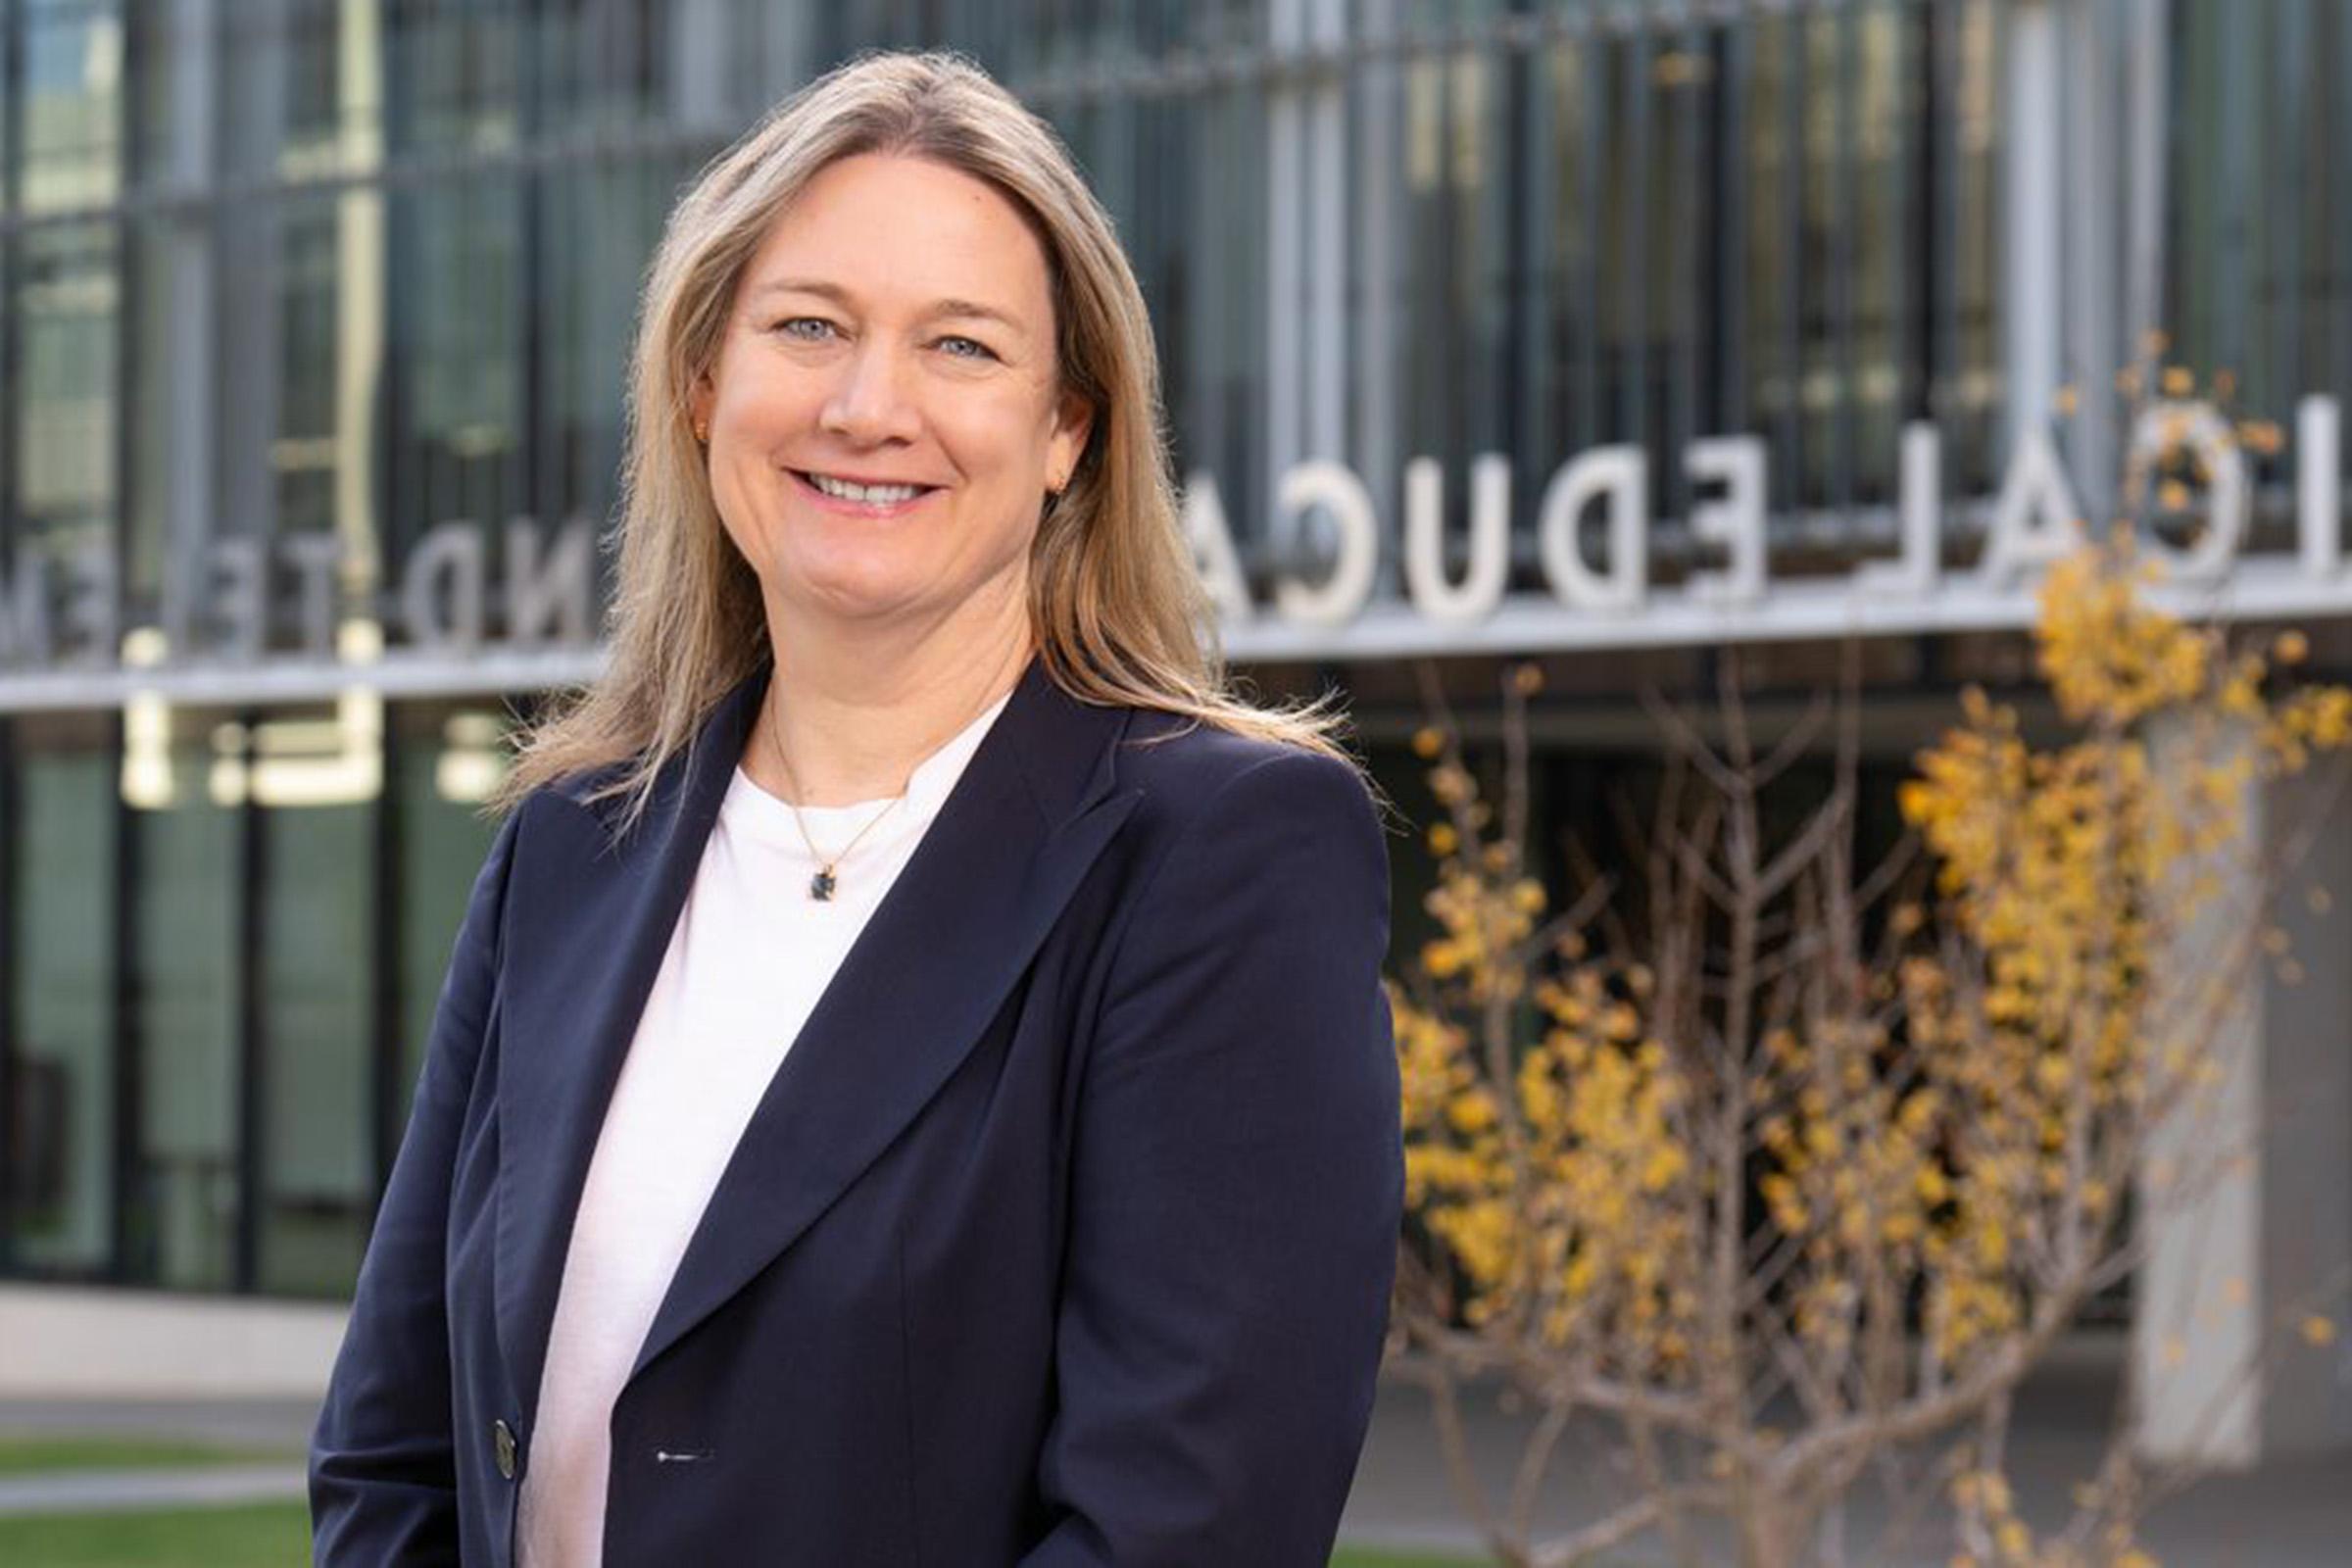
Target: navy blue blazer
[{"x": 1063, "y": 1236}]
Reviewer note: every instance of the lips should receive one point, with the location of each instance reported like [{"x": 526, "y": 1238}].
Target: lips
[{"x": 897, "y": 501}]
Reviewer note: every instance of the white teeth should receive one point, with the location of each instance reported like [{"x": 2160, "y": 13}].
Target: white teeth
[{"x": 873, "y": 495}]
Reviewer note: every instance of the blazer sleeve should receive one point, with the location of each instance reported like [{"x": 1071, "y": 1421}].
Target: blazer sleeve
[
  {"x": 383, "y": 1465},
  {"x": 1236, "y": 1186}
]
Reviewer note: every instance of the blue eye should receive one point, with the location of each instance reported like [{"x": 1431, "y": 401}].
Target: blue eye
[
  {"x": 965, "y": 348},
  {"x": 807, "y": 328}
]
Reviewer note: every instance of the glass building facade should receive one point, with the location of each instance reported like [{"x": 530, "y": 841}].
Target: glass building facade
[{"x": 289, "y": 289}]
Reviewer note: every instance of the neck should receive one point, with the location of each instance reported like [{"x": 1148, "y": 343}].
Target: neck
[{"x": 856, "y": 714}]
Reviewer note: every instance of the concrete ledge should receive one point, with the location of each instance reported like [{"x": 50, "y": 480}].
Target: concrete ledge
[{"x": 59, "y": 1342}]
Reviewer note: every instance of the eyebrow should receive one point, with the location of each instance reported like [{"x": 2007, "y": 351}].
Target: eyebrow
[{"x": 969, "y": 309}]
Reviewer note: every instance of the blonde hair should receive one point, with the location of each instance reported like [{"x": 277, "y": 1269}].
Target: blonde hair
[{"x": 1117, "y": 604}]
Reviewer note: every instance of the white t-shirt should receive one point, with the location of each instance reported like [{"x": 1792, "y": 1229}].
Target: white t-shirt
[{"x": 750, "y": 956}]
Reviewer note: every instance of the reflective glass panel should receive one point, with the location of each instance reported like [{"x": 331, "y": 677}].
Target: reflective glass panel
[
  {"x": 62, "y": 1017},
  {"x": 185, "y": 994},
  {"x": 315, "y": 778}
]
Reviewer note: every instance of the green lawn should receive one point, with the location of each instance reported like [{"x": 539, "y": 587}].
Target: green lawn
[
  {"x": 277, "y": 1535},
  {"x": 274, "y": 1535},
  {"x": 23, "y": 1456}
]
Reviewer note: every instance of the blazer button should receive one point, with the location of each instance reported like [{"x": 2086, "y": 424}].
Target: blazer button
[{"x": 501, "y": 1447}]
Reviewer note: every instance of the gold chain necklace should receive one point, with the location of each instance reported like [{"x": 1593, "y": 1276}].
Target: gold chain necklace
[{"x": 824, "y": 883}]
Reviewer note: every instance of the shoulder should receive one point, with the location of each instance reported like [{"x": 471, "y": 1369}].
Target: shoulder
[
  {"x": 585, "y": 788},
  {"x": 1202, "y": 787},
  {"x": 1181, "y": 763},
  {"x": 613, "y": 790},
  {"x": 570, "y": 796},
  {"x": 545, "y": 835},
  {"x": 1234, "y": 848}
]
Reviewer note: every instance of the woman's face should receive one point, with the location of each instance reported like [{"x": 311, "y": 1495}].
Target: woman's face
[{"x": 885, "y": 412}]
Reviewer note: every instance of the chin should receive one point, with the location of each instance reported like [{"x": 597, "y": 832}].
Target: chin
[
  {"x": 858, "y": 596},
  {"x": 870, "y": 587}
]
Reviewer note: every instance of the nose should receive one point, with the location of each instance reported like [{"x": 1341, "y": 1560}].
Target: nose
[{"x": 868, "y": 403}]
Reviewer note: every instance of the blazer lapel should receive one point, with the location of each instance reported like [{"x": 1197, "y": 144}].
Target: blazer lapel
[
  {"x": 1033, "y": 810},
  {"x": 585, "y": 940}
]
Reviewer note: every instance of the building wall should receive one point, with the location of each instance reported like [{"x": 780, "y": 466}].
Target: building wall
[{"x": 287, "y": 285}]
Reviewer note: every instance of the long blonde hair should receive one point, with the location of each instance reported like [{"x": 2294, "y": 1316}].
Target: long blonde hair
[{"x": 1117, "y": 603}]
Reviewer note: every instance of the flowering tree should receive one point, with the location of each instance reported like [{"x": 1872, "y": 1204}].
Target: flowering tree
[{"x": 1788, "y": 1179}]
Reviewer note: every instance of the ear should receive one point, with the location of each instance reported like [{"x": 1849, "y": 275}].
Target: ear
[
  {"x": 1073, "y": 422},
  {"x": 701, "y": 398}
]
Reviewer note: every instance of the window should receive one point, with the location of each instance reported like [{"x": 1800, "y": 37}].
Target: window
[{"x": 60, "y": 1046}]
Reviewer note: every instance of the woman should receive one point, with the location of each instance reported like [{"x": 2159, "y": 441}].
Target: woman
[{"x": 913, "y": 1084}]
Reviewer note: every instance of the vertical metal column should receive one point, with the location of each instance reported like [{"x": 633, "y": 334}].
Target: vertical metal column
[
  {"x": 224, "y": 482},
  {"x": 1844, "y": 263},
  {"x": 787, "y": 47},
  {"x": 2146, "y": 28},
  {"x": 2034, "y": 218},
  {"x": 2092, "y": 349},
  {"x": 2286, "y": 65},
  {"x": 362, "y": 320},
  {"x": 1633, "y": 367},
  {"x": 1788, "y": 484},
  {"x": 1374, "y": 267},
  {"x": 12, "y": 188},
  {"x": 1698, "y": 241},
  {"x": 1593, "y": 53},
  {"x": 179, "y": 41},
  {"x": 1326, "y": 278},
  {"x": 247, "y": 255},
  {"x": 365, "y": 351},
  {"x": 186, "y": 239},
  {"x": 537, "y": 475},
  {"x": 1286, "y": 287},
  {"x": 699, "y": 50},
  {"x": 1728, "y": 187},
  {"x": 131, "y": 1215}
]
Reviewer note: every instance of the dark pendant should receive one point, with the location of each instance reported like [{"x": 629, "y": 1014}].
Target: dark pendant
[{"x": 821, "y": 885}]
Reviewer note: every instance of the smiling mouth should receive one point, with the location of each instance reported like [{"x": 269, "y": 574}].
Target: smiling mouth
[{"x": 851, "y": 493}]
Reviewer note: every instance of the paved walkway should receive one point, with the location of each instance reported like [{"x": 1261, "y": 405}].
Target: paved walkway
[
  {"x": 2283, "y": 1516},
  {"x": 2290, "y": 1516},
  {"x": 255, "y": 1424},
  {"x": 124, "y": 1490}
]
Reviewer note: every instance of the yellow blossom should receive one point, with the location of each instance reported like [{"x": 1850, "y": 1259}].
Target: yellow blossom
[{"x": 1939, "y": 1118}]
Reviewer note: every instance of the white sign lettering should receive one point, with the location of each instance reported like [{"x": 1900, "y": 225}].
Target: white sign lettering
[{"x": 463, "y": 588}]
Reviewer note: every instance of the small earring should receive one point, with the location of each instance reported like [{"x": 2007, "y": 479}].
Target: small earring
[{"x": 702, "y": 432}]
